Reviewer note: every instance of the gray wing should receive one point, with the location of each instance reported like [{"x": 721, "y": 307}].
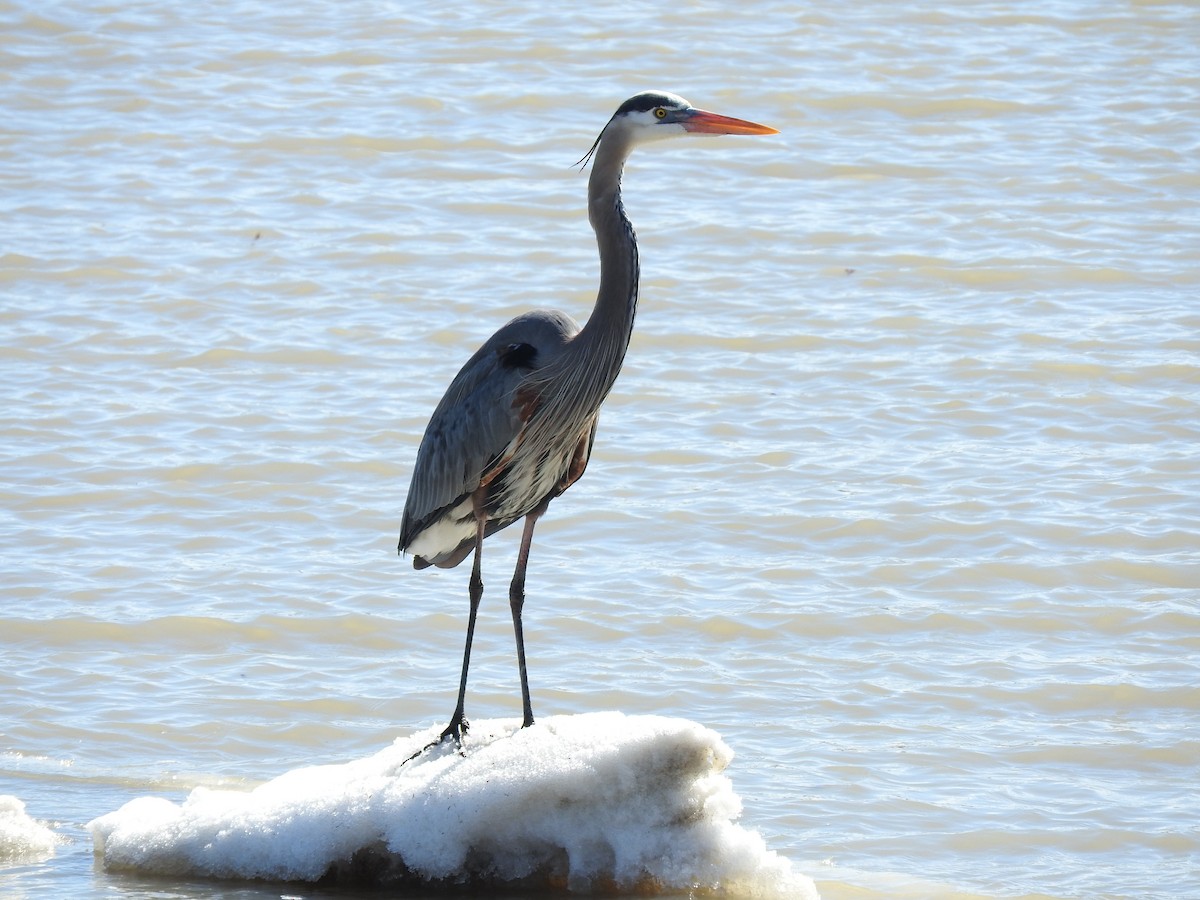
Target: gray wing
[{"x": 476, "y": 420}]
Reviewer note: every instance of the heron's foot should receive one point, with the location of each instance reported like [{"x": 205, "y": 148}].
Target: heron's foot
[{"x": 456, "y": 729}]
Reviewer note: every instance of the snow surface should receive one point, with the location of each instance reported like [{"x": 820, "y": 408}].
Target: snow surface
[
  {"x": 21, "y": 838},
  {"x": 601, "y": 801}
]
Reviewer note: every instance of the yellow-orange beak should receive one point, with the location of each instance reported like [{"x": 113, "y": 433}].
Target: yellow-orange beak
[{"x": 701, "y": 121}]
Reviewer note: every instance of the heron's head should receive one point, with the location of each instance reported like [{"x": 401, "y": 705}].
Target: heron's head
[{"x": 652, "y": 115}]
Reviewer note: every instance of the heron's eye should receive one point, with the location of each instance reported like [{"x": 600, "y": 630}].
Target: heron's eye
[{"x": 660, "y": 113}]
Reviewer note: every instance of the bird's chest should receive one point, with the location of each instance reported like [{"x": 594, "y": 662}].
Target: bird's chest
[{"x": 532, "y": 476}]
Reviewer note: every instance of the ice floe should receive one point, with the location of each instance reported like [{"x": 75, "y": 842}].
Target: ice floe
[
  {"x": 601, "y": 801},
  {"x": 22, "y": 839}
]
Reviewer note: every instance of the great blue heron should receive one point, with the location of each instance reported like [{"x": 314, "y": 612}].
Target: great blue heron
[{"x": 515, "y": 428}]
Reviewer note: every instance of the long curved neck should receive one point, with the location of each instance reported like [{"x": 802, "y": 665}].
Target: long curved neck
[
  {"x": 605, "y": 335},
  {"x": 570, "y": 389}
]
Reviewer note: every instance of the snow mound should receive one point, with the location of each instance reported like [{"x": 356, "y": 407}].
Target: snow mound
[
  {"x": 21, "y": 838},
  {"x": 594, "y": 802}
]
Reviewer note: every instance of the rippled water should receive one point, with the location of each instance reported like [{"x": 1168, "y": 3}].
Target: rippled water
[{"x": 899, "y": 490}]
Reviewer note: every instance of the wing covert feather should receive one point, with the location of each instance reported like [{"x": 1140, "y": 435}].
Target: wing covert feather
[{"x": 476, "y": 420}]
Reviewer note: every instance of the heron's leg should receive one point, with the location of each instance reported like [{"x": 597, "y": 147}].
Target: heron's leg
[
  {"x": 516, "y": 599},
  {"x": 458, "y": 723}
]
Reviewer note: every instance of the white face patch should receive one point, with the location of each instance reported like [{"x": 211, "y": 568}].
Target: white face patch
[{"x": 646, "y": 126}]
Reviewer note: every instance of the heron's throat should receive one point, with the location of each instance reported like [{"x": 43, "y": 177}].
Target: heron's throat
[
  {"x": 566, "y": 393},
  {"x": 607, "y": 331}
]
